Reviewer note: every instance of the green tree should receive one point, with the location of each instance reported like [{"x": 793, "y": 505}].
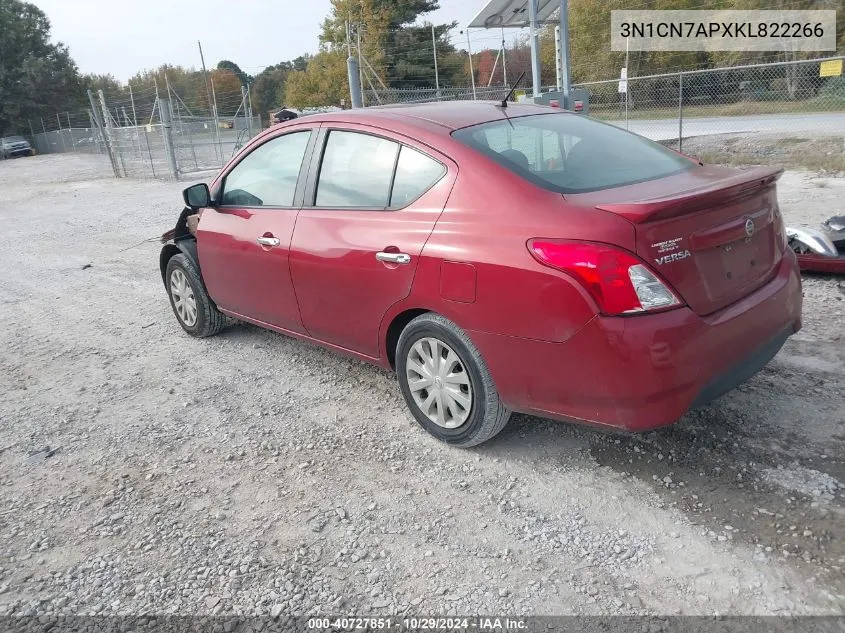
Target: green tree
[
  {"x": 37, "y": 78},
  {"x": 234, "y": 68}
]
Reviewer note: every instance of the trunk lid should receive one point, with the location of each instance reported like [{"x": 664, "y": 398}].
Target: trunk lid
[{"x": 713, "y": 233}]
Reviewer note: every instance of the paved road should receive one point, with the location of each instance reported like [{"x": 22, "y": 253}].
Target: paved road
[{"x": 667, "y": 129}]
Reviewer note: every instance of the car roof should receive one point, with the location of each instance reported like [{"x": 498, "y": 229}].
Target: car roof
[{"x": 449, "y": 116}]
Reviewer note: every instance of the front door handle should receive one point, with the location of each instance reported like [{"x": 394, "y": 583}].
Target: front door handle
[
  {"x": 268, "y": 241},
  {"x": 394, "y": 258}
]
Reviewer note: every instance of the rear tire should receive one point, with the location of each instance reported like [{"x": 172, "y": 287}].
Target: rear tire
[
  {"x": 194, "y": 310},
  {"x": 446, "y": 383}
]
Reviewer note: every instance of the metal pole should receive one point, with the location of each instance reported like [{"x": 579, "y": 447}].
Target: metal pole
[
  {"x": 564, "y": 49},
  {"x": 67, "y": 114},
  {"x": 95, "y": 117},
  {"x": 134, "y": 113},
  {"x": 219, "y": 152},
  {"x": 169, "y": 95},
  {"x": 495, "y": 66},
  {"x": 360, "y": 65},
  {"x": 251, "y": 113},
  {"x": 354, "y": 85},
  {"x": 61, "y": 133},
  {"x": 558, "y": 60},
  {"x": 205, "y": 75},
  {"x": 680, "y": 112},
  {"x": 436, "y": 72},
  {"x": 166, "y": 123},
  {"x": 535, "y": 45},
  {"x": 471, "y": 71},
  {"x": 247, "y": 113},
  {"x": 504, "y": 61},
  {"x": 110, "y": 138}
]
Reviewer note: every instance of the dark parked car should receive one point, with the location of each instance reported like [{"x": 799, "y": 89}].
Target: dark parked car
[
  {"x": 13, "y": 146},
  {"x": 499, "y": 259}
]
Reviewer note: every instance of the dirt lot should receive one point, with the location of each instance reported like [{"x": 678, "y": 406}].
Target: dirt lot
[{"x": 254, "y": 474}]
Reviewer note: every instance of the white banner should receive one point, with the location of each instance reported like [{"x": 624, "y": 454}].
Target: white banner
[{"x": 805, "y": 31}]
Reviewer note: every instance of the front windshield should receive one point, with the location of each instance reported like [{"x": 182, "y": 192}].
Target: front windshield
[{"x": 570, "y": 153}]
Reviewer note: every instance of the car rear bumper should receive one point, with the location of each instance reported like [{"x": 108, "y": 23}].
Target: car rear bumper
[
  {"x": 644, "y": 372},
  {"x": 23, "y": 151}
]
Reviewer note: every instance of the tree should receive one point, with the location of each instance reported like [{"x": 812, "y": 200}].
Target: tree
[
  {"x": 37, "y": 78},
  {"x": 324, "y": 82},
  {"x": 234, "y": 68},
  {"x": 268, "y": 89}
]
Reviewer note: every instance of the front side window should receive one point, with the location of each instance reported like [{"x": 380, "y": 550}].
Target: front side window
[
  {"x": 569, "y": 153},
  {"x": 267, "y": 176}
]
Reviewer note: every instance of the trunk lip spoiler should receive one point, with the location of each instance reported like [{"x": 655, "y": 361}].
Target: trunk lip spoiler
[{"x": 724, "y": 190}]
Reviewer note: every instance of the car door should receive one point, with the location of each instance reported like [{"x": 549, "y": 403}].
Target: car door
[
  {"x": 244, "y": 241},
  {"x": 372, "y": 201}
]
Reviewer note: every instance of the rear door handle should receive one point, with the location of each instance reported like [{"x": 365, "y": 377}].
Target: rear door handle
[
  {"x": 393, "y": 258},
  {"x": 268, "y": 241}
]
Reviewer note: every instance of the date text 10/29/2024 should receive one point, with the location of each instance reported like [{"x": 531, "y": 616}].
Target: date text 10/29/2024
[{"x": 417, "y": 624}]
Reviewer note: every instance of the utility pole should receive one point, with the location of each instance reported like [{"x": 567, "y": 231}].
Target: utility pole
[{"x": 436, "y": 73}]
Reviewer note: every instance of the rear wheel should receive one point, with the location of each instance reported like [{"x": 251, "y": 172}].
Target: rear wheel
[
  {"x": 191, "y": 304},
  {"x": 446, "y": 383}
]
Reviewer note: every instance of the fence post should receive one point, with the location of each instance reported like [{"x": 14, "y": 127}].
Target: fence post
[
  {"x": 680, "y": 112},
  {"x": 32, "y": 133},
  {"x": 110, "y": 136},
  {"x": 166, "y": 125},
  {"x": 95, "y": 117},
  {"x": 246, "y": 111},
  {"x": 61, "y": 133}
]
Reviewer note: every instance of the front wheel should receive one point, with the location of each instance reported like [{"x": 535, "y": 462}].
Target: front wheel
[
  {"x": 446, "y": 383},
  {"x": 191, "y": 304}
]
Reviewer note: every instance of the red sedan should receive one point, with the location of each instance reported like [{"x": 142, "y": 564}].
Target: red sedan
[{"x": 498, "y": 258}]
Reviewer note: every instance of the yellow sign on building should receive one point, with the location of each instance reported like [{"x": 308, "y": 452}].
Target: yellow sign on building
[{"x": 831, "y": 68}]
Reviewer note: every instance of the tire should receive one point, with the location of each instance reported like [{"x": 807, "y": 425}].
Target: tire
[
  {"x": 459, "y": 425},
  {"x": 205, "y": 319}
]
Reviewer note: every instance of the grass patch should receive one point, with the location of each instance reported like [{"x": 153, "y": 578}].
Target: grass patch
[{"x": 820, "y": 154}]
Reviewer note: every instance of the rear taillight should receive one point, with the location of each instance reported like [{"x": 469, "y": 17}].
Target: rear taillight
[{"x": 618, "y": 281}]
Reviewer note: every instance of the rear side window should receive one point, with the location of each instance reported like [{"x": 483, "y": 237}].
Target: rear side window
[
  {"x": 356, "y": 171},
  {"x": 569, "y": 153},
  {"x": 415, "y": 174},
  {"x": 365, "y": 171},
  {"x": 267, "y": 176}
]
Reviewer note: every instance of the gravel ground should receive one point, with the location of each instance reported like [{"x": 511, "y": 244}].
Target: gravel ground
[{"x": 143, "y": 471}]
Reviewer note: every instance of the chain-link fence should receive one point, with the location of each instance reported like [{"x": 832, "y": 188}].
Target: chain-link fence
[
  {"x": 422, "y": 95},
  {"x": 65, "y": 132},
  {"x": 158, "y": 137},
  {"x": 786, "y": 99}
]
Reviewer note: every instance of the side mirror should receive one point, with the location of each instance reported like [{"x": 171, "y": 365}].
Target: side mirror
[{"x": 197, "y": 196}]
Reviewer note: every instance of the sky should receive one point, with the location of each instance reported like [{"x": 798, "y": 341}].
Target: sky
[{"x": 106, "y": 39}]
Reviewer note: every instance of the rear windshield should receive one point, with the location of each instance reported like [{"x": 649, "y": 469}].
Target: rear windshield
[
  {"x": 14, "y": 139},
  {"x": 570, "y": 153}
]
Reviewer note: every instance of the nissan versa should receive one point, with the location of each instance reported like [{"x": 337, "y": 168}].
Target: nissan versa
[{"x": 499, "y": 257}]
